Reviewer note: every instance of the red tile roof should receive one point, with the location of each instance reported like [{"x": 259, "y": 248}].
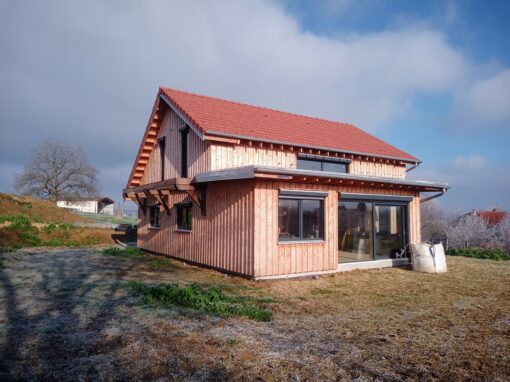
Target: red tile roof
[
  {"x": 216, "y": 116},
  {"x": 493, "y": 217}
]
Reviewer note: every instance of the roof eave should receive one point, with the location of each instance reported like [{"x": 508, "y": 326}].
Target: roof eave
[{"x": 251, "y": 172}]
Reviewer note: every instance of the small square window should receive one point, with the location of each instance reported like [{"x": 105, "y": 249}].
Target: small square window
[
  {"x": 184, "y": 215},
  {"x": 154, "y": 216}
]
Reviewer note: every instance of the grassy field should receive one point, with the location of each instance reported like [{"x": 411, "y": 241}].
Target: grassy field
[
  {"x": 107, "y": 220},
  {"x": 37, "y": 210},
  {"x": 69, "y": 315},
  {"x": 28, "y": 222}
]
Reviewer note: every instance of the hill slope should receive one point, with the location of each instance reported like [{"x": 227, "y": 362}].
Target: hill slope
[{"x": 37, "y": 210}]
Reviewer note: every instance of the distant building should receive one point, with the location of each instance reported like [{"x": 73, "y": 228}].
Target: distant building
[
  {"x": 94, "y": 205},
  {"x": 493, "y": 217}
]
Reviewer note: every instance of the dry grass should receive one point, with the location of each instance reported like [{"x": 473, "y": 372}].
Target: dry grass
[
  {"x": 37, "y": 210},
  {"x": 66, "y": 315}
]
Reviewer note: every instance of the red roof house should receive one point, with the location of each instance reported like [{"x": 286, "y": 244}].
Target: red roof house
[
  {"x": 267, "y": 194},
  {"x": 493, "y": 217}
]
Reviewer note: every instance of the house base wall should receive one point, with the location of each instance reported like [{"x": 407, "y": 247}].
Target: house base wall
[{"x": 221, "y": 239}]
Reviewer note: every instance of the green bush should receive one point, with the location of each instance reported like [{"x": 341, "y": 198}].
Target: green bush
[
  {"x": 2, "y": 264},
  {"x": 479, "y": 253},
  {"x": 209, "y": 300},
  {"x": 6, "y": 218},
  {"x": 131, "y": 252},
  {"x": 49, "y": 228},
  {"x": 28, "y": 234}
]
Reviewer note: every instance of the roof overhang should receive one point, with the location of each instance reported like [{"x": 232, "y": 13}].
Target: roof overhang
[{"x": 317, "y": 177}]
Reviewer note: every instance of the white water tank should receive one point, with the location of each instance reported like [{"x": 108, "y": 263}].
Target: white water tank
[{"x": 428, "y": 258}]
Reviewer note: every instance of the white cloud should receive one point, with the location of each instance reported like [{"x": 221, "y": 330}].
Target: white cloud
[
  {"x": 485, "y": 103},
  {"x": 476, "y": 183},
  {"x": 472, "y": 162}
]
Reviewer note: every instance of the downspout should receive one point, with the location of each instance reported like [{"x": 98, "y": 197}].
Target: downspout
[
  {"x": 415, "y": 165},
  {"x": 433, "y": 196}
]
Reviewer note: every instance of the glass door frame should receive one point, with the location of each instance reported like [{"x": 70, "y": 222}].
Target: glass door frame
[{"x": 379, "y": 200}]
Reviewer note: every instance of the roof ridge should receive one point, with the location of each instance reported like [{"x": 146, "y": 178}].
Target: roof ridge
[{"x": 261, "y": 107}]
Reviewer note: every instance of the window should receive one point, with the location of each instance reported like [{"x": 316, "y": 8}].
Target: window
[
  {"x": 371, "y": 227},
  {"x": 300, "y": 217},
  {"x": 154, "y": 216},
  {"x": 184, "y": 152},
  {"x": 320, "y": 163},
  {"x": 161, "y": 142},
  {"x": 184, "y": 215}
]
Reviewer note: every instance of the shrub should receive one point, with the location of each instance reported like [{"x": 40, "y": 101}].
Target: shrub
[
  {"x": 2, "y": 264},
  {"x": 479, "y": 253},
  {"x": 20, "y": 225},
  {"x": 209, "y": 300},
  {"x": 131, "y": 252},
  {"x": 49, "y": 228},
  {"x": 6, "y": 218}
]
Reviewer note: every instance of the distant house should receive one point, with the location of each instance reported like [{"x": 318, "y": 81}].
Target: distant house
[
  {"x": 268, "y": 194},
  {"x": 94, "y": 205},
  {"x": 492, "y": 218}
]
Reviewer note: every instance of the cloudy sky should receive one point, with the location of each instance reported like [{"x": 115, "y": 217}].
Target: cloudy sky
[{"x": 431, "y": 77}]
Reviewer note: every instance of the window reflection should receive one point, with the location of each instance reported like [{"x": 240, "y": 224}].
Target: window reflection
[
  {"x": 355, "y": 231},
  {"x": 312, "y": 219},
  {"x": 288, "y": 219},
  {"x": 389, "y": 231}
]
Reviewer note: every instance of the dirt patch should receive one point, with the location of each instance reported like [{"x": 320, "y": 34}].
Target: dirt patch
[
  {"x": 37, "y": 210},
  {"x": 66, "y": 315}
]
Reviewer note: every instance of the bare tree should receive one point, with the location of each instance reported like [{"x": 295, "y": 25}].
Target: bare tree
[
  {"x": 502, "y": 234},
  {"x": 470, "y": 231},
  {"x": 434, "y": 223},
  {"x": 57, "y": 170}
]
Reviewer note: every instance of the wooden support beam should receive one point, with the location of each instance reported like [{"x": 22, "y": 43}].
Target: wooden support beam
[
  {"x": 272, "y": 176},
  {"x": 181, "y": 184},
  {"x": 215, "y": 138},
  {"x": 162, "y": 200},
  {"x": 141, "y": 204}
]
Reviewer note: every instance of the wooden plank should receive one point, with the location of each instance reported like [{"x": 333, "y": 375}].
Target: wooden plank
[{"x": 216, "y": 138}]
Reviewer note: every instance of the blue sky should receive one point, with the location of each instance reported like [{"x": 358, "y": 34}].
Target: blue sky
[{"x": 430, "y": 77}]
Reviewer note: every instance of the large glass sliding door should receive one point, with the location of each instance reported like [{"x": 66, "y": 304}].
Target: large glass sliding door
[
  {"x": 371, "y": 230},
  {"x": 389, "y": 231},
  {"x": 355, "y": 231}
]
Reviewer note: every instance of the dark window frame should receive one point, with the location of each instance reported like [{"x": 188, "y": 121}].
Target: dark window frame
[
  {"x": 184, "y": 152},
  {"x": 299, "y": 197},
  {"x": 382, "y": 200},
  {"x": 186, "y": 225},
  {"x": 154, "y": 216},
  {"x": 323, "y": 160},
  {"x": 162, "y": 147}
]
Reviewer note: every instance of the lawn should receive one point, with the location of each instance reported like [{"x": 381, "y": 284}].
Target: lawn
[
  {"x": 70, "y": 315},
  {"x": 109, "y": 221}
]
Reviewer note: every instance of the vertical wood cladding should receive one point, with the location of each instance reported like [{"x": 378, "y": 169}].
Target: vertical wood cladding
[
  {"x": 273, "y": 258},
  {"x": 227, "y": 156},
  {"x": 239, "y": 233},
  {"x": 198, "y": 151},
  {"x": 223, "y": 238}
]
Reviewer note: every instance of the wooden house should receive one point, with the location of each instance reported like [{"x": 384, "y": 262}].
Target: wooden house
[{"x": 267, "y": 194}]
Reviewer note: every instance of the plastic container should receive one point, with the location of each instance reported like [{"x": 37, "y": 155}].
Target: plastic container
[{"x": 428, "y": 258}]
